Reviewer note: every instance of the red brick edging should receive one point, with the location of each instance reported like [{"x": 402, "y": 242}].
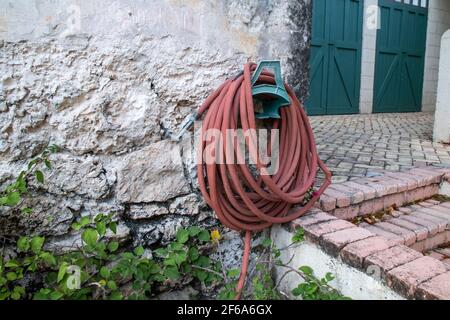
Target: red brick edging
[
  {"x": 370, "y": 195},
  {"x": 402, "y": 269}
]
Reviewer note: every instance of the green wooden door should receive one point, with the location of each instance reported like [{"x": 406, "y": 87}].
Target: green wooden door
[
  {"x": 335, "y": 62},
  {"x": 399, "y": 65}
]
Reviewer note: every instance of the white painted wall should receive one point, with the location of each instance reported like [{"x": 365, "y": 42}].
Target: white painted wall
[
  {"x": 368, "y": 55},
  {"x": 438, "y": 23},
  {"x": 442, "y": 116}
]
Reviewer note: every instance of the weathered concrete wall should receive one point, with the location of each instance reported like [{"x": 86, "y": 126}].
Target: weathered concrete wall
[
  {"x": 106, "y": 80},
  {"x": 438, "y": 23},
  {"x": 442, "y": 115},
  {"x": 368, "y": 54}
]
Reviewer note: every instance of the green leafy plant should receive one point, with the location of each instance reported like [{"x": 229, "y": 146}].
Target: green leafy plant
[
  {"x": 299, "y": 236},
  {"x": 261, "y": 285},
  {"x": 316, "y": 289},
  {"x": 183, "y": 257},
  {"x": 13, "y": 194},
  {"x": 228, "y": 291},
  {"x": 100, "y": 269},
  {"x": 264, "y": 286}
]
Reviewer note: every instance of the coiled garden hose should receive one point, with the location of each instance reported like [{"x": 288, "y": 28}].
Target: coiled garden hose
[{"x": 240, "y": 200}]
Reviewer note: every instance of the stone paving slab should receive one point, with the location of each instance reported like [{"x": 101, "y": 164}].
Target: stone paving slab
[{"x": 355, "y": 146}]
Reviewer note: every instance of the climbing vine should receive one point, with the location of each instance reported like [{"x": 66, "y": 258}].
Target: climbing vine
[
  {"x": 263, "y": 285},
  {"x": 12, "y": 196},
  {"x": 100, "y": 269}
]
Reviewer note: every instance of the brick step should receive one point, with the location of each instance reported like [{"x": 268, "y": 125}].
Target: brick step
[
  {"x": 371, "y": 195},
  {"x": 441, "y": 254},
  {"x": 381, "y": 248},
  {"x": 423, "y": 226},
  {"x": 393, "y": 248}
]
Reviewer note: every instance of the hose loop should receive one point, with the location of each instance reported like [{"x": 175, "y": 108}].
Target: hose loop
[{"x": 242, "y": 200}]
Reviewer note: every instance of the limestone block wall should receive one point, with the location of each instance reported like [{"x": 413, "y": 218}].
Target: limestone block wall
[{"x": 106, "y": 81}]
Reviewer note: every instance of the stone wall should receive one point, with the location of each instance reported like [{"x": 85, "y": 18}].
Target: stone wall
[{"x": 106, "y": 81}]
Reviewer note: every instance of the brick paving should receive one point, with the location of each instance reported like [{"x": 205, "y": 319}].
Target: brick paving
[{"x": 355, "y": 146}]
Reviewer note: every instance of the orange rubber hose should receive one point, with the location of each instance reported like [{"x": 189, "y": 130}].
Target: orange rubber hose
[{"x": 241, "y": 201}]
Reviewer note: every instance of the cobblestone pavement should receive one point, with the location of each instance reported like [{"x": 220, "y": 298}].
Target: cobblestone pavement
[{"x": 356, "y": 146}]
